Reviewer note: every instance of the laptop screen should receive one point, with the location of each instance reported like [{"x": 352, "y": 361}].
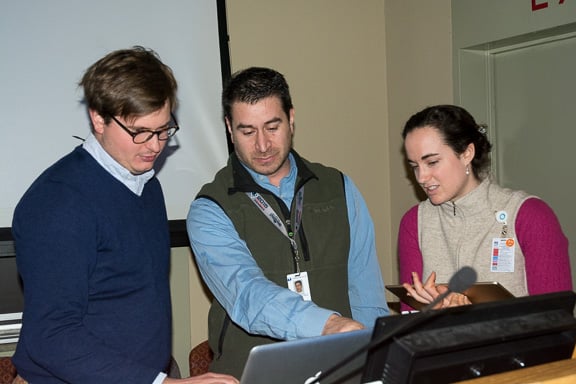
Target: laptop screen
[{"x": 298, "y": 361}]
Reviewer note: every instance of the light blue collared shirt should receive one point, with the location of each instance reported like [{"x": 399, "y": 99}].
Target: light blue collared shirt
[
  {"x": 135, "y": 183},
  {"x": 261, "y": 306}
]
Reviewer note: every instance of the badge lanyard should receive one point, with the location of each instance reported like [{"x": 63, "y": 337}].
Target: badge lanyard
[{"x": 283, "y": 227}]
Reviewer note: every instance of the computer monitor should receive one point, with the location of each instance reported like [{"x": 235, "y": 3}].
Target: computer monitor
[
  {"x": 460, "y": 343},
  {"x": 11, "y": 295}
]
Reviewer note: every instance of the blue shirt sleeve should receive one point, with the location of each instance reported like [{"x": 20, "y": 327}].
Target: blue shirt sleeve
[
  {"x": 365, "y": 283},
  {"x": 251, "y": 300}
]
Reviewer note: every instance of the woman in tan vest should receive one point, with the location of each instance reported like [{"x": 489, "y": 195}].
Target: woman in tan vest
[{"x": 468, "y": 220}]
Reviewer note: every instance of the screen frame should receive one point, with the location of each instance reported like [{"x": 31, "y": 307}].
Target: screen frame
[
  {"x": 503, "y": 334},
  {"x": 178, "y": 233}
]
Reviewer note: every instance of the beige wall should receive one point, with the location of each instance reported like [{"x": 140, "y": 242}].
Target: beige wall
[
  {"x": 419, "y": 73},
  {"x": 357, "y": 70},
  {"x": 332, "y": 53}
]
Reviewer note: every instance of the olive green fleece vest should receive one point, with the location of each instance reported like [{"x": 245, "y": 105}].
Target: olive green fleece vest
[{"x": 323, "y": 239}]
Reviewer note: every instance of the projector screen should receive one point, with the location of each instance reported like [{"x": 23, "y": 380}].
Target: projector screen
[{"x": 47, "y": 45}]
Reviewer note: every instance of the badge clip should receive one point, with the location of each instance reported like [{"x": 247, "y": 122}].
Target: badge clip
[{"x": 502, "y": 217}]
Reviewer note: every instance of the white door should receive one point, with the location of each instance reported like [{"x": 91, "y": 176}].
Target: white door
[{"x": 516, "y": 72}]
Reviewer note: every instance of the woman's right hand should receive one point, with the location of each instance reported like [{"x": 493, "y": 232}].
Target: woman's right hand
[{"x": 427, "y": 292}]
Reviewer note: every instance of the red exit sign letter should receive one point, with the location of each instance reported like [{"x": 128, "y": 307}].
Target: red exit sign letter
[{"x": 538, "y": 5}]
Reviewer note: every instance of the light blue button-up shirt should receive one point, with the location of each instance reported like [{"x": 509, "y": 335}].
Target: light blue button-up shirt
[{"x": 262, "y": 307}]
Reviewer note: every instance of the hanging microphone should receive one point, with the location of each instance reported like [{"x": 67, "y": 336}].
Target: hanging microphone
[{"x": 459, "y": 282}]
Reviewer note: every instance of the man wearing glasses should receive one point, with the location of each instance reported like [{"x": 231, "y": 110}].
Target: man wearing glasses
[{"x": 92, "y": 240}]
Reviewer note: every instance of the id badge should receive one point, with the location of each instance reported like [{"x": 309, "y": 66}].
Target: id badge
[
  {"x": 503, "y": 254},
  {"x": 298, "y": 282}
]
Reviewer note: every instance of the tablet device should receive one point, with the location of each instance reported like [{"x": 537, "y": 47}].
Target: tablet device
[{"x": 478, "y": 293}]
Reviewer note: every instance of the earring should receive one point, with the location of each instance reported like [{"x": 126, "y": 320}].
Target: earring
[{"x": 467, "y": 170}]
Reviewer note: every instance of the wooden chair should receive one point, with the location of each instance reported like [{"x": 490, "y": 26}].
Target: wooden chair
[
  {"x": 7, "y": 370},
  {"x": 200, "y": 358}
]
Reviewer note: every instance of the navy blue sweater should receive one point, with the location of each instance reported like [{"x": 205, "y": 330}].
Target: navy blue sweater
[{"x": 94, "y": 260}]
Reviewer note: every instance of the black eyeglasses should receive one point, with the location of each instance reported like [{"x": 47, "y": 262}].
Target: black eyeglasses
[{"x": 143, "y": 135}]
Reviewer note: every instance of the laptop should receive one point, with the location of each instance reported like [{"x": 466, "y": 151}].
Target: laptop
[
  {"x": 483, "y": 292},
  {"x": 298, "y": 361}
]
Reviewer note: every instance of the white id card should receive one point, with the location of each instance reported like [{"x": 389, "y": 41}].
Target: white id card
[
  {"x": 298, "y": 282},
  {"x": 502, "y": 259}
]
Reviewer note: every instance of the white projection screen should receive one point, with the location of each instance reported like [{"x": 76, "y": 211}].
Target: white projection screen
[{"x": 45, "y": 47}]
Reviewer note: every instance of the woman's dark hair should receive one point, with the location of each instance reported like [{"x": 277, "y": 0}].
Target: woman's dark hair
[{"x": 458, "y": 129}]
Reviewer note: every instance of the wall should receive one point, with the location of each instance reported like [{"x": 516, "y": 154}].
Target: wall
[
  {"x": 514, "y": 71},
  {"x": 419, "y": 74},
  {"x": 333, "y": 56}
]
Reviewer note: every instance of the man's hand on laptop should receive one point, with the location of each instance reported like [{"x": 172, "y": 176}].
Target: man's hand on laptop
[
  {"x": 207, "y": 378},
  {"x": 339, "y": 324}
]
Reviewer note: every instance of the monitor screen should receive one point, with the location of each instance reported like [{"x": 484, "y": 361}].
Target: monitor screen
[
  {"x": 11, "y": 296},
  {"x": 472, "y": 341}
]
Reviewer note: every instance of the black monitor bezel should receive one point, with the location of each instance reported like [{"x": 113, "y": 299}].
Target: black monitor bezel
[{"x": 398, "y": 361}]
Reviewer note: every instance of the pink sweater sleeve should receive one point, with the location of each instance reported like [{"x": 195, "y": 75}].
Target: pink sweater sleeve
[
  {"x": 409, "y": 255},
  {"x": 545, "y": 248}
]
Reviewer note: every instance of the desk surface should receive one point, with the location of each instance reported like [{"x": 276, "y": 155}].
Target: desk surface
[{"x": 557, "y": 372}]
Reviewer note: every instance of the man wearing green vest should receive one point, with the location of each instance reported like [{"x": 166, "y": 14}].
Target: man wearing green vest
[{"x": 285, "y": 245}]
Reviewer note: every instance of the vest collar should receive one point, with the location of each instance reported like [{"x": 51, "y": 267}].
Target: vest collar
[
  {"x": 243, "y": 181},
  {"x": 471, "y": 203}
]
